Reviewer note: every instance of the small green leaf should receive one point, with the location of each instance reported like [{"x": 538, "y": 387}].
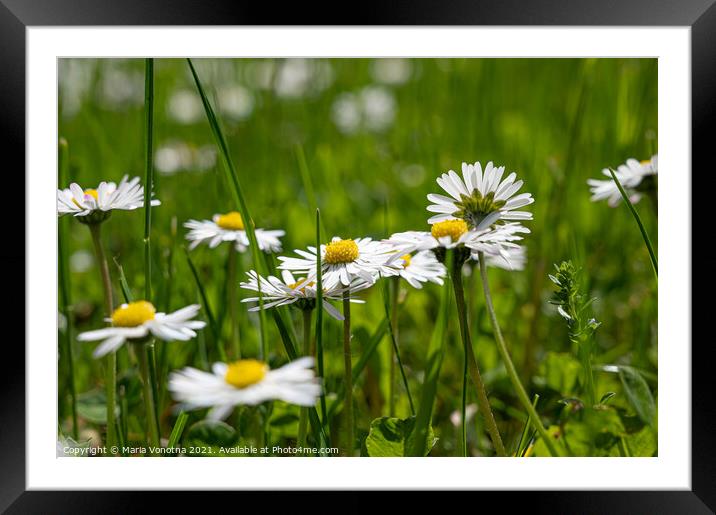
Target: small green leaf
[
  {"x": 389, "y": 436},
  {"x": 639, "y": 395}
]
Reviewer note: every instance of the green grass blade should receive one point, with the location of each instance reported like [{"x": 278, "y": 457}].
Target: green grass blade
[
  {"x": 524, "y": 441},
  {"x": 417, "y": 444},
  {"x": 124, "y": 285},
  {"x": 319, "y": 315},
  {"x": 148, "y": 172},
  {"x": 306, "y": 178},
  {"x": 320, "y": 434},
  {"x": 289, "y": 344},
  {"x": 207, "y": 308},
  {"x": 359, "y": 366},
  {"x": 178, "y": 429},
  {"x": 644, "y": 234},
  {"x": 233, "y": 179}
]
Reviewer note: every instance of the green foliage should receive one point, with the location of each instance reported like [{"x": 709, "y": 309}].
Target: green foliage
[
  {"x": 392, "y": 437},
  {"x": 572, "y": 304},
  {"x": 560, "y": 371},
  {"x": 92, "y": 406},
  {"x": 639, "y": 394},
  {"x": 211, "y": 434}
]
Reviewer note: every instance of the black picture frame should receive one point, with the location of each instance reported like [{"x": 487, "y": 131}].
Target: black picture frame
[{"x": 17, "y": 15}]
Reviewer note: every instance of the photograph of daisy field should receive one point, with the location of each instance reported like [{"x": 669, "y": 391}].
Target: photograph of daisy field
[{"x": 357, "y": 257}]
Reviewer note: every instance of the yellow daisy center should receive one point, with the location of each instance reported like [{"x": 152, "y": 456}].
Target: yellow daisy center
[
  {"x": 452, "y": 228},
  {"x": 133, "y": 314},
  {"x": 300, "y": 282},
  {"x": 341, "y": 251},
  {"x": 406, "y": 260},
  {"x": 646, "y": 162},
  {"x": 231, "y": 221},
  {"x": 245, "y": 372},
  {"x": 91, "y": 192}
]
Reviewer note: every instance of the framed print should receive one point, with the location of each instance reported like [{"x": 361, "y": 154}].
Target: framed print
[{"x": 424, "y": 255}]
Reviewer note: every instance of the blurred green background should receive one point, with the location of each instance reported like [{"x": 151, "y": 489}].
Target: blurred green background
[{"x": 372, "y": 135}]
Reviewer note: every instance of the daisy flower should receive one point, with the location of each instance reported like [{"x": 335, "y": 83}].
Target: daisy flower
[
  {"x": 342, "y": 261},
  {"x": 630, "y": 175},
  {"x": 230, "y": 227},
  {"x": 291, "y": 291},
  {"x": 96, "y": 204},
  {"x": 450, "y": 234},
  {"x": 422, "y": 267},
  {"x": 137, "y": 320},
  {"x": 480, "y": 198},
  {"x": 247, "y": 381}
]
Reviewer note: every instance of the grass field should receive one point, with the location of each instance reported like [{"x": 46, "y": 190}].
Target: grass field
[{"x": 364, "y": 140}]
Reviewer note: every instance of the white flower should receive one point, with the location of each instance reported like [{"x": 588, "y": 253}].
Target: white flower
[
  {"x": 128, "y": 195},
  {"x": 246, "y": 381},
  {"x": 391, "y": 70},
  {"x": 479, "y": 198},
  {"x": 289, "y": 290},
  {"x": 422, "y": 267},
  {"x": 230, "y": 227},
  {"x": 448, "y": 234},
  {"x": 345, "y": 260},
  {"x": 139, "y": 319},
  {"x": 379, "y": 108},
  {"x": 456, "y": 416},
  {"x": 373, "y": 109},
  {"x": 630, "y": 175},
  {"x": 514, "y": 258}
]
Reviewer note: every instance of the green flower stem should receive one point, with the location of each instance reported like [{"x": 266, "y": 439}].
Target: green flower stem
[
  {"x": 319, "y": 323},
  {"x": 233, "y": 306},
  {"x": 505, "y": 355},
  {"x": 142, "y": 351},
  {"x": 585, "y": 355},
  {"x": 303, "y": 413},
  {"x": 474, "y": 371},
  {"x": 644, "y": 235},
  {"x": 154, "y": 382},
  {"x": 111, "y": 370},
  {"x": 392, "y": 319},
  {"x": 395, "y": 281},
  {"x": 148, "y": 172},
  {"x": 347, "y": 375},
  {"x": 463, "y": 404}
]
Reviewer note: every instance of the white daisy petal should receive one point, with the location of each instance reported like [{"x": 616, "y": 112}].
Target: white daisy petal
[{"x": 477, "y": 184}]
